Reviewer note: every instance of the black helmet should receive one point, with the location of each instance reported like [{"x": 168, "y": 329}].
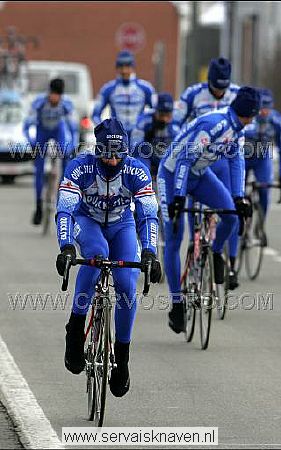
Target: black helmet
[{"x": 57, "y": 86}]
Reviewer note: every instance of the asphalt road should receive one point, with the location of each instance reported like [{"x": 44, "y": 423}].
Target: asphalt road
[{"x": 234, "y": 385}]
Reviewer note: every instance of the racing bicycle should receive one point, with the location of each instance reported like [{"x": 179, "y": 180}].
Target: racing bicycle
[
  {"x": 99, "y": 349},
  {"x": 197, "y": 280},
  {"x": 252, "y": 242}
]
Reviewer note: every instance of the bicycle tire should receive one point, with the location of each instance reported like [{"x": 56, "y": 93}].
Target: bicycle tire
[
  {"x": 46, "y": 206},
  {"x": 240, "y": 256},
  {"x": 222, "y": 290},
  {"x": 189, "y": 292},
  {"x": 99, "y": 377},
  {"x": 160, "y": 248},
  {"x": 254, "y": 247},
  {"x": 206, "y": 299},
  {"x": 90, "y": 358}
]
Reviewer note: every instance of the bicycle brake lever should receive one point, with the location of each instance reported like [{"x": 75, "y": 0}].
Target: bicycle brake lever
[
  {"x": 66, "y": 273},
  {"x": 147, "y": 279},
  {"x": 175, "y": 223}
]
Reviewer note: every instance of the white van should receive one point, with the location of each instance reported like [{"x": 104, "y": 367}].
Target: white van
[{"x": 78, "y": 82}]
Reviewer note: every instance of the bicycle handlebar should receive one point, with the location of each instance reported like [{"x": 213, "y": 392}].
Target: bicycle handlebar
[
  {"x": 261, "y": 185},
  {"x": 104, "y": 263},
  {"x": 256, "y": 185},
  {"x": 208, "y": 211}
]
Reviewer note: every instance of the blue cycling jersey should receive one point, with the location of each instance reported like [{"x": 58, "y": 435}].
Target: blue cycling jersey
[
  {"x": 85, "y": 190},
  {"x": 202, "y": 142},
  {"x": 158, "y": 140},
  {"x": 126, "y": 101},
  {"x": 48, "y": 119},
  {"x": 263, "y": 132},
  {"x": 198, "y": 99}
]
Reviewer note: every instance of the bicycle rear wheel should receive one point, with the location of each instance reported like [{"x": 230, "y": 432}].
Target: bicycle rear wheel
[
  {"x": 254, "y": 245},
  {"x": 188, "y": 288},
  {"x": 99, "y": 364},
  {"x": 206, "y": 299}
]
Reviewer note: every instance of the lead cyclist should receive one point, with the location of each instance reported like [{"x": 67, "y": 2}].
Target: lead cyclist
[{"x": 94, "y": 211}]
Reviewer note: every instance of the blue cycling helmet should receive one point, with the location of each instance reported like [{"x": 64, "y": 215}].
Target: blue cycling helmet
[
  {"x": 266, "y": 98},
  {"x": 247, "y": 102},
  {"x": 125, "y": 58},
  {"x": 219, "y": 73},
  {"x": 111, "y": 139},
  {"x": 165, "y": 102}
]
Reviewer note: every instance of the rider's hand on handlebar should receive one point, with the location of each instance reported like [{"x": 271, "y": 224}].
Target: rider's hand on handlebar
[
  {"x": 176, "y": 207},
  {"x": 67, "y": 250},
  {"x": 244, "y": 207},
  {"x": 156, "y": 273}
]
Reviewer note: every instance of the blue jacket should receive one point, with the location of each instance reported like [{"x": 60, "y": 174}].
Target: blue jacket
[
  {"x": 126, "y": 102},
  {"x": 202, "y": 142},
  {"x": 158, "y": 140},
  {"x": 266, "y": 131},
  {"x": 197, "y": 100},
  {"x": 48, "y": 119},
  {"x": 85, "y": 190}
]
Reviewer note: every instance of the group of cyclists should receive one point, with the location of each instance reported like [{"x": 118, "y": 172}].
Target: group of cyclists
[{"x": 194, "y": 148}]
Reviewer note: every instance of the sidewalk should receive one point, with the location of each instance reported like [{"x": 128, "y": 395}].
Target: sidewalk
[{"x": 8, "y": 436}]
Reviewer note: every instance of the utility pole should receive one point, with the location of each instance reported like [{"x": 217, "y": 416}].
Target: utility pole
[{"x": 193, "y": 46}]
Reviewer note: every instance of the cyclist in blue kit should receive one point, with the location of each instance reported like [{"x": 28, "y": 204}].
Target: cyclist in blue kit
[
  {"x": 154, "y": 132},
  {"x": 260, "y": 136},
  {"x": 185, "y": 170},
  {"x": 217, "y": 93},
  {"x": 52, "y": 115},
  {"x": 94, "y": 210},
  {"x": 126, "y": 96}
]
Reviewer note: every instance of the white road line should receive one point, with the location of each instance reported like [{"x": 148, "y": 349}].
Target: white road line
[
  {"x": 32, "y": 426},
  {"x": 270, "y": 252},
  {"x": 277, "y": 259}
]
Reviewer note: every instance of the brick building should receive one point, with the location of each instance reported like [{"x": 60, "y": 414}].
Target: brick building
[{"x": 93, "y": 32}]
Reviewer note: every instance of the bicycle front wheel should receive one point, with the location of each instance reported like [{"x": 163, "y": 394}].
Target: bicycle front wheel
[
  {"x": 206, "y": 299},
  {"x": 222, "y": 290},
  {"x": 254, "y": 243},
  {"x": 188, "y": 288},
  {"x": 47, "y": 205},
  {"x": 161, "y": 247},
  {"x": 97, "y": 381}
]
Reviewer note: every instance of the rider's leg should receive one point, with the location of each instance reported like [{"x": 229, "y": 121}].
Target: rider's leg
[
  {"x": 172, "y": 250},
  {"x": 263, "y": 171},
  {"x": 222, "y": 170},
  {"x": 172, "y": 240},
  {"x": 122, "y": 240},
  {"x": 90, "y": 238},
  {"x": 41, "y": 145}
]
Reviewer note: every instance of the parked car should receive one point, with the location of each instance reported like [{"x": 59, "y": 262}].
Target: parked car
[
  {"x": 16, "y": 156},
  {"x": 78, "y": 82}
]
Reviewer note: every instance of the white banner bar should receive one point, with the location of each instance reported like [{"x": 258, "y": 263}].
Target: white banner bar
[{"x": 140, "y": 436}]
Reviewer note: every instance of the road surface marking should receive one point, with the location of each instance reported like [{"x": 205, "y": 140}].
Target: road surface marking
[
  {"x": 270, "y": 252},
  {"x": 32, "y": 426}
]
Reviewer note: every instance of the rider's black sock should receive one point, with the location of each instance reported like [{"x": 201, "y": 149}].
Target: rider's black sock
[
  {"x": 232, "y": 263},
  {"x": 38, "y": 204}
]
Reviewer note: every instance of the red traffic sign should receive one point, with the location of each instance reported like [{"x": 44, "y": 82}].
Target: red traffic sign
[{"x": 130, "y": 36}]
